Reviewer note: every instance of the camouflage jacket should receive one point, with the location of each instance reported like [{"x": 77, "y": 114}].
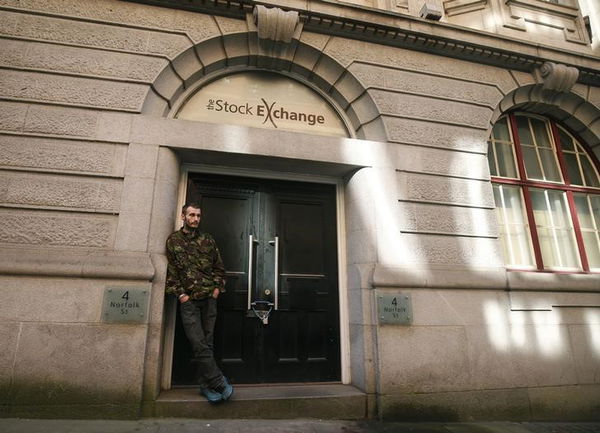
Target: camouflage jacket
[{"x": 195, "y": 265}]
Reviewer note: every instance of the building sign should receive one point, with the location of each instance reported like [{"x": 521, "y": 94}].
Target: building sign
[
  {"x": 263, "y": 100},
  {"x": 125, "y": 305},
  {"x": 394, "y": 309}
]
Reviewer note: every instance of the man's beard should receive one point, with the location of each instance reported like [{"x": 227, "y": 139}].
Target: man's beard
[{"x": 189, "y": 228}]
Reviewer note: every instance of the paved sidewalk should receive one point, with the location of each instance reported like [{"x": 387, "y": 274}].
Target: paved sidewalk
[{"x": 178, "y": 425}]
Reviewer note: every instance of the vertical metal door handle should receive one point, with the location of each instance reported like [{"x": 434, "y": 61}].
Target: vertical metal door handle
[
  {"x": 276, "y": 282},
  {"x": 250, "y": 266}
]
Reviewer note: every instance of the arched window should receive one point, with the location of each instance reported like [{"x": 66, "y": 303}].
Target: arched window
[{"x": 547, "y": 194}]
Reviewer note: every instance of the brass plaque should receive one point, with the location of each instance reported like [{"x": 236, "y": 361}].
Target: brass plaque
[
  {"x": 394, "y": 309},
  {"x": 125, "y": 305}
]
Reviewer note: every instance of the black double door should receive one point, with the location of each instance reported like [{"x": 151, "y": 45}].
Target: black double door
[{"x": 278, "y": 242}]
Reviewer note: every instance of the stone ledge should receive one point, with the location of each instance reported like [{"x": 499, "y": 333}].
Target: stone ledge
[
  {"x": 439, "y": 277},
  {"x": 73, "y": 263},
  {"x": 483, "y": 278},
  {"x": 546, "y": 281}
]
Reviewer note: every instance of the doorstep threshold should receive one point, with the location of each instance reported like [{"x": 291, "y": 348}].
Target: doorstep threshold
[
  {"x": 268, "y": 391},
  {"x": 272, "y": 401}
]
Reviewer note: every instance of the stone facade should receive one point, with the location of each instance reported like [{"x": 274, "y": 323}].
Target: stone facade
[{"x": 90, "y": 168}]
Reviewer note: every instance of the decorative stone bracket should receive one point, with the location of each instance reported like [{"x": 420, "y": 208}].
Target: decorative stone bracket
[
  {"x": 278, "y": 33},
  {"x": 556, "y": 78}
]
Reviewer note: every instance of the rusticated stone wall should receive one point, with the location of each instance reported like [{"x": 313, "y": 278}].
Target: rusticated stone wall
[
  {"x": 89, "y": 176},
  {"x": 75, "y": 200}
]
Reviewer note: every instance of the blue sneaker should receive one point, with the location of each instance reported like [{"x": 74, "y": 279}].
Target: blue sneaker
[
  {"x": 211, "y": 395},
  {"x": 225, "y": 389}
]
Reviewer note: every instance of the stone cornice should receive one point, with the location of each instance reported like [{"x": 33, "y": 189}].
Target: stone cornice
[{"x": 390, "y": 28}]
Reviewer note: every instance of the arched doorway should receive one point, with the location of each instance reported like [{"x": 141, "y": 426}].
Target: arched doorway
[{"x": 278, "y": 239}]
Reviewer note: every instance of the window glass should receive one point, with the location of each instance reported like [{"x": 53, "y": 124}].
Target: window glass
[
  {"x": 506, "y": 160},
  {"x": 538, "y": 151},
  {"x": 513, "y": 229},
  {"x": 501, "y": 157},
  {"x": 532, "y": 165},
  {"x": 592, "y": 250},
  {"x": 579, "y": 165},
  {"x": 573, "y": 168},
  {"x": 492, "y": 159},
  {"x": 555, "y": 231},
  {"x": 523, "y": 130},
  {"x": 588, "y": 212},
  {"x": 540, "y": 160},
  {"x": 550, "y": 166},
  {"x": 590, "y": 175},
  {"x": 500, "y": 130},
  {"x": 586, "y": 220},
  {"x": 541, "y": 133},
  {"x": 566, "y": 142},
  {"x": 595, "y": 209}
]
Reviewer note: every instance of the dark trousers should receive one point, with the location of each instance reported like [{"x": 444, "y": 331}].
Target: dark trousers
[{"x": 198, "y": 318}]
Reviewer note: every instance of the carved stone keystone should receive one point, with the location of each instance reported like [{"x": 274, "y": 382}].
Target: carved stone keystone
[
  {"x": 556, "y": 77},
  {"x": 278, "y": 33},
  {"x": 275, "y": 24}
]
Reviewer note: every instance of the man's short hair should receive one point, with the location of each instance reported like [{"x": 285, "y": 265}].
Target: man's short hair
[{"x": 193, "y": 204}]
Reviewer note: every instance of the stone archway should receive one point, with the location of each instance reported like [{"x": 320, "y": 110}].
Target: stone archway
[
  {"x": 272, "y": 43},
  {"x": 553, "y": 96}
]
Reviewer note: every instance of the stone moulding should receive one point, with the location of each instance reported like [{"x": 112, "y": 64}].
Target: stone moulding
[
  {"x": 389, "y": 28},
  {"x": 459, "y": 7},
  {"x": 543, "y": 13},
  {"x": 72, "y": 263}
]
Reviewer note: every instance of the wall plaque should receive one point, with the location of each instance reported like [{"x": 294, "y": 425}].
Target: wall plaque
[
  {"x": 125, "y": 305},
  {"x": 394, "y": 309}
]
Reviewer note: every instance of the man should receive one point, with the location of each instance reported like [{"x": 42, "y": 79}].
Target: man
[{"x": 196, "y": 275}]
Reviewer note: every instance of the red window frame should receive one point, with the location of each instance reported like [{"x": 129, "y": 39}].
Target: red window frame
[{"x": 566, "y": 186}]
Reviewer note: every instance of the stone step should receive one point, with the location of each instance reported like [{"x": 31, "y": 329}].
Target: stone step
[{"x": 322, "y": 401}]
